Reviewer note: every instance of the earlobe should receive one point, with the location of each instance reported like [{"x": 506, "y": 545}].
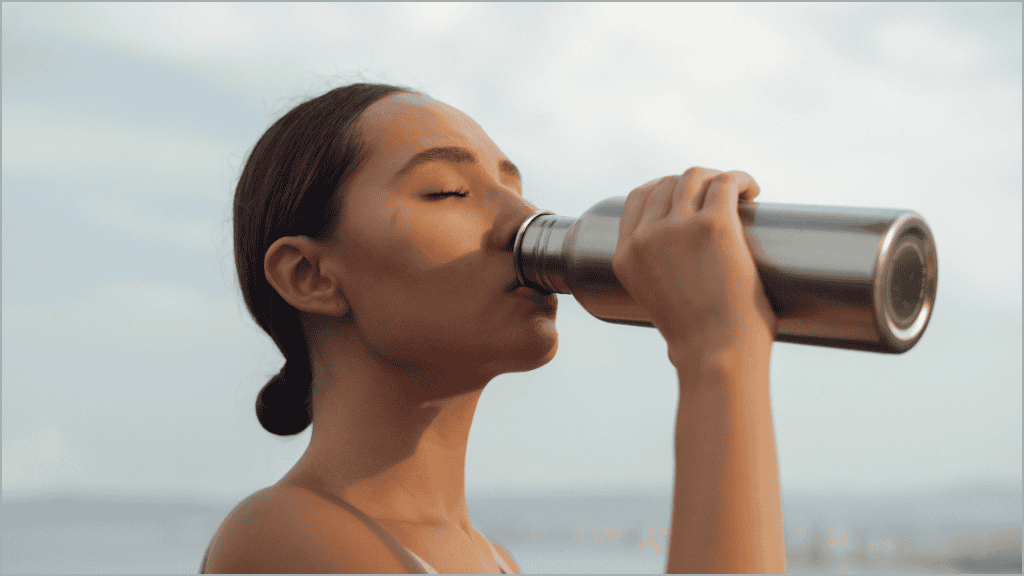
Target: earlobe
[{"x": 294, "y": 267}]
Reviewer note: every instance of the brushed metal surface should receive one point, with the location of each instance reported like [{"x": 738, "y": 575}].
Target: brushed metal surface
[{"x": 858, "y": 278}]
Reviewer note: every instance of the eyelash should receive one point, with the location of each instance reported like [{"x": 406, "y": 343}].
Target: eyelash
[{"x": 446, "y": 193}]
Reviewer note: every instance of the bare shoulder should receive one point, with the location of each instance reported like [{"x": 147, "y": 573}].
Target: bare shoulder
[
  {"x": 283, "y": 529},
  {"x": 508, "y": 557}
]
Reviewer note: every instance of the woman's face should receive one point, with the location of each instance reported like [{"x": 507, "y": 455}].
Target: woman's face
[{"x": 425, "y": 245}]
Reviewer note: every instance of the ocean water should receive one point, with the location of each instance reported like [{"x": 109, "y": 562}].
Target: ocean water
[{"x": 970, "y": 528}]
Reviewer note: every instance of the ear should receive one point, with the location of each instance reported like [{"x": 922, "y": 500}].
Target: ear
[{"x": 298, "y": 268}]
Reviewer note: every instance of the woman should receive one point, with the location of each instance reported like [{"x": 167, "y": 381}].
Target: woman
[{"x": 373, "y": 240}]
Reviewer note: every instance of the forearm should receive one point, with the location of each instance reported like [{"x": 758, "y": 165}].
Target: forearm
[{"x": 727, "y": 505}]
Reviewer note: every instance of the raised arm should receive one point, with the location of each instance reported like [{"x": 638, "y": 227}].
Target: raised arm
[
  {"x": 682, "y": 256},
  {"x": 727, "y": 508}
]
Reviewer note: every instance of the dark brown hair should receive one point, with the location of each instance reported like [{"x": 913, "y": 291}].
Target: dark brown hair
[{"x": 290, "y": 186}]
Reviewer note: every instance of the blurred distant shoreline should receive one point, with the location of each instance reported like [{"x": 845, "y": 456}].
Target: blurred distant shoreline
[
  {"x": 220, "y": 498},
  {"x": 958, "y": 528}
]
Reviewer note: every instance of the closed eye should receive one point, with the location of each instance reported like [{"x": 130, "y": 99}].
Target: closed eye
[{"x": 447, "y": 193}]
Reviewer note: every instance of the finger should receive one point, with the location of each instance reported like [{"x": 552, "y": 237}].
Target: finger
[
  {"x": 633, "y": 209},
  {"x": 750, "y": 192},
  {"x": 689, "y": 193},
  {"x": 725, "y": 190},
  {"x": 659, "y": 202}
]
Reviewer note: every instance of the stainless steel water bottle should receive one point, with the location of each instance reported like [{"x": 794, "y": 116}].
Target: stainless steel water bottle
[{"x": 858, "y": 278}]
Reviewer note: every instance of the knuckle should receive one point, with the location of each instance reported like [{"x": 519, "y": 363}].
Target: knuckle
[
  {"x": 700, "y": 174},
  {"x": 638, "y": 194},
  {"x": 724, "y": 178},
  {"x": 661, "y": 184},
  {"x": 617, "y": 263}
]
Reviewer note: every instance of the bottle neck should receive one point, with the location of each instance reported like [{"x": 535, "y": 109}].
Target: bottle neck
[{"x": 538, "y": 252}]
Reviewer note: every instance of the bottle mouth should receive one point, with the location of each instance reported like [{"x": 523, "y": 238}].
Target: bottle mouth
[
  {"x": 909, "y": 280},
  {"x": 517, "y": 249},
  {"x": 906, "y": 284}
]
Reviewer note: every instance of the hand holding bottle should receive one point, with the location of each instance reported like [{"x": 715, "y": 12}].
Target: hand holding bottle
[{"x": 682, "y": 256}]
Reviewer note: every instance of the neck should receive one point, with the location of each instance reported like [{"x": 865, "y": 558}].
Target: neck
[{"x": 386, "y": 446}]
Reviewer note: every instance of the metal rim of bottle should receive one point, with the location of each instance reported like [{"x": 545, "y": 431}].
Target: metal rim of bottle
[
  {"x": 517, "y": 248},
  {"x": 903, "y": 335}
]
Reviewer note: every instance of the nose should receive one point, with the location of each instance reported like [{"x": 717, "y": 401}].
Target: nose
[{"x": 512, "y": 211}]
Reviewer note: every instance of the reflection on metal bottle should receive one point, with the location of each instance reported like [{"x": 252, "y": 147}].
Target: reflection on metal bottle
[{"x": 857, "y": 278}]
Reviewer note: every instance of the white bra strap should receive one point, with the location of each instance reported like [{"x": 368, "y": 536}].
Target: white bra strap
[
  {"x": 429, "y": 569},
  {"x": 501, "y": 561},
  {"x": 406, "y": 556}
]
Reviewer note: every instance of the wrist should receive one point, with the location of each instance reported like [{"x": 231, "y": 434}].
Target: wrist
[
  {"x": 727, "y": 375},
  {"x": 740, "y": 349}
]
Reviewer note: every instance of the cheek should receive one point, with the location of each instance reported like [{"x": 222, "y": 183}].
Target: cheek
[
  {"x": 444, "y": 236},
  {"x": 418, "y": 250}
]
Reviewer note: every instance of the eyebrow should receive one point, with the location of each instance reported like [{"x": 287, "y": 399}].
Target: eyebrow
[{"x": 455, "y": 155}]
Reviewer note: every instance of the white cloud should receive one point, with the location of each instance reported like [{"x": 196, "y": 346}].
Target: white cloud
[
  {"x": 425, "y": 18},
  {"x": 127, "y": 315},
  {"x": 240, "y": 46},
  {"x": 40, "y": 141},
  {"x": 143, "y": 181},
  {"x": 192, "y": 232},
  {"x": 920, "y": 45}
]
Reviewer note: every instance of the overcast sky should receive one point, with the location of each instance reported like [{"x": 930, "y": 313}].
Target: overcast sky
[{"x": 130, "y": 363}]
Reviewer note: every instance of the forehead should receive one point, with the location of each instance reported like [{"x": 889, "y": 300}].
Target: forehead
[{"x": 399, "y": 125}]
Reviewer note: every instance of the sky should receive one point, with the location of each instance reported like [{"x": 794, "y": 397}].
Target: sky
[{"x": 130, "y": 364}]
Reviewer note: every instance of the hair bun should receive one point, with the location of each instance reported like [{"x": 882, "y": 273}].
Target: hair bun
[{"x": 282, "y": 406}]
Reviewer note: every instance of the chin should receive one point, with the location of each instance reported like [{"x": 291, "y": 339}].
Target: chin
[{"x": 537, "y": 350}]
